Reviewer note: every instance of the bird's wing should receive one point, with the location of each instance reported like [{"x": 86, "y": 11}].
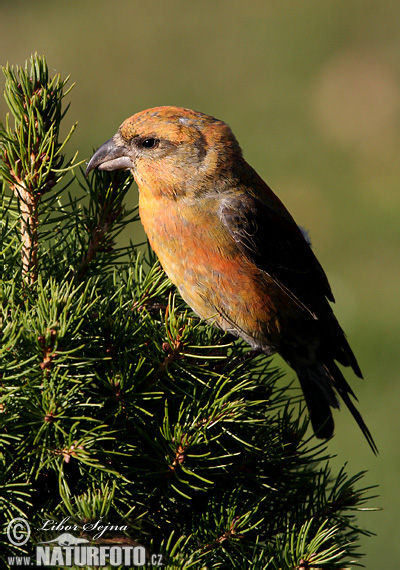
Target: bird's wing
[{"x": 266, "y": 233}]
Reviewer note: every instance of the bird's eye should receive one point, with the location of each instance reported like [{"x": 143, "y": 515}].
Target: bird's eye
[{"x": 150, "y": 143}]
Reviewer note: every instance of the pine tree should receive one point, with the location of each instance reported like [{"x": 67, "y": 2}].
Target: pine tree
[{"x": 116, "y": 401}]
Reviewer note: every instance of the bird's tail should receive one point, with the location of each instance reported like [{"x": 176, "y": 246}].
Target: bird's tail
[{"x": 320, "y": 382}]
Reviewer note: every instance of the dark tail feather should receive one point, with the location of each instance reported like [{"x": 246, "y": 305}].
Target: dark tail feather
[
  {"x": 319, "y": 383},
  {"x": 344, "y": 390},
  {"x": 319, "y": 398}
]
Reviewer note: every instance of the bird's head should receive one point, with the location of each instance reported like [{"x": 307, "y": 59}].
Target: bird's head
[{"x": 169, "y": 149}]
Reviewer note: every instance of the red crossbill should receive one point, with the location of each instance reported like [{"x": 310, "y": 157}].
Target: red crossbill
[{"x": 233, "y": 250}]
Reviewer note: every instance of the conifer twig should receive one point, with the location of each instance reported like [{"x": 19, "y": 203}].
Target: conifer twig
[{"x": 30, "y": 154}]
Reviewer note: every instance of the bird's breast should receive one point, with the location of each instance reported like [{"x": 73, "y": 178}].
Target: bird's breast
[{"x": 201, "y": 258}]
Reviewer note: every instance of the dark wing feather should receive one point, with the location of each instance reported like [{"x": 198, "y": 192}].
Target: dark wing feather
[
  {"x": 266, "y": 233},
  {"x": 273, "y": 241}
]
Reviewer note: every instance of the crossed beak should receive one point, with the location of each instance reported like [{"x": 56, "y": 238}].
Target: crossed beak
[{"x": 112, "y": 155}]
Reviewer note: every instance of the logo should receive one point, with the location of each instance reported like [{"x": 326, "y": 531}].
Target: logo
[
  {"x": 18, "y": 532},
  {"x": 66, "y": 549}
]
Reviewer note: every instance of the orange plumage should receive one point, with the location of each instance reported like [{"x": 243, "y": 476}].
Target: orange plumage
[{"x": 232, "y": 249}]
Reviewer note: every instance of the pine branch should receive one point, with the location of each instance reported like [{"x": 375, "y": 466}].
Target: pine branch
[
  {"x": 105, "y": 216},
  {"x": 31, "y": 154}
]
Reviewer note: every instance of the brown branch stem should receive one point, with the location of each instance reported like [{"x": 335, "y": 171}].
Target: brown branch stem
[{"x": 29, "y": 232}]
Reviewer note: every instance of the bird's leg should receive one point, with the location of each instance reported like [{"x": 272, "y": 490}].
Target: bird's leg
[{"x": 249, "y": 355}]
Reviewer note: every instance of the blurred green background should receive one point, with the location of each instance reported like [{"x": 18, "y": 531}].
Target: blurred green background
[{"x": 312, "y": 91}]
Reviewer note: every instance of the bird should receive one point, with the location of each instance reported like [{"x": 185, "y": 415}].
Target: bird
[{"x": 233, "y": 250}]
